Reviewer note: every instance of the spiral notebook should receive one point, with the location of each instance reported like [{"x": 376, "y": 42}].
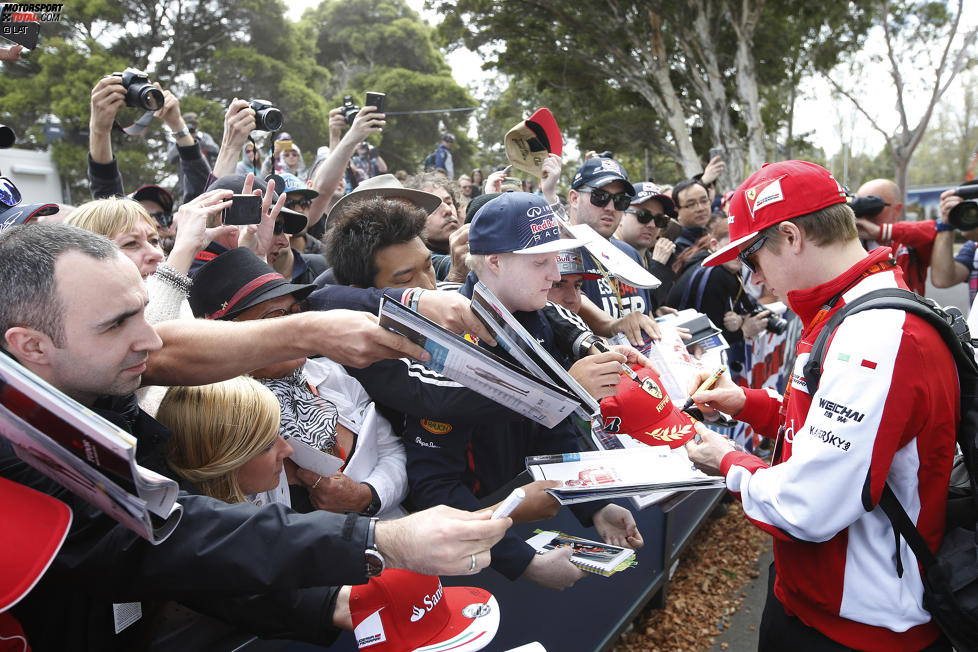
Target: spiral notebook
[{"x": 591, "y": 556}]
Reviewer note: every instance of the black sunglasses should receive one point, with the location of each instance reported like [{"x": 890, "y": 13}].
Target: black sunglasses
[
  {"x": 279, "y": 227},
  {"x": 163, "y": 219},
  {"x": 292, "y": 203},
  {"x": 600, "y": 198},
  {"x": 746, "y": 254},
  {"x": 644, "y": 217}
]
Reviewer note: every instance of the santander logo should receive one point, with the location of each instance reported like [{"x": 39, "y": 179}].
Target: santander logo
[{"x": 429, "y": 602}]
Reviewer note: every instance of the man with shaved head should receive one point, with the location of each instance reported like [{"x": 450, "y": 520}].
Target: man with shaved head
[{"x": 911, "y": 242}]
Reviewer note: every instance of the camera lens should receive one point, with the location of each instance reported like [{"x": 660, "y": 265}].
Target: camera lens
[
  {"x": 269, "y": 119},
  {"x": 964, "y": 216},
  {"x": 150, "y": 98},
  {"x": 777, "y": 325}
]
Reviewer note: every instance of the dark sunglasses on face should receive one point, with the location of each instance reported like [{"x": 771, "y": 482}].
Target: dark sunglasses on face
[
  {"x": 747, "y": 253},
  {"x": 279, "y": 228},
  {"x": 163, "y": 219},
  {"x": 600, "y": 198},
  {"x": 644, "y": 217},
  {"x": 293, "y": 203}
]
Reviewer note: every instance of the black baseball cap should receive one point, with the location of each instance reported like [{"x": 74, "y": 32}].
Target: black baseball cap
[{"x": 155, "y": 193}]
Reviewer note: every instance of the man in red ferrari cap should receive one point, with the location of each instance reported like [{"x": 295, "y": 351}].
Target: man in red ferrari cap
[{"x": 885, "y": 411}]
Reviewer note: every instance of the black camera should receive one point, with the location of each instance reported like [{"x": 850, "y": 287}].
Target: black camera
[
  {"x": 350, "y": 110},
  {"x": 869, "y": 206},
  {"x": 267, "y": 117},
  {"x": 775, "y": 324},
  {"x": 140, "y": 92},
  {"x": 964, "y": 216},
  {"x": 7, "y": 137}
]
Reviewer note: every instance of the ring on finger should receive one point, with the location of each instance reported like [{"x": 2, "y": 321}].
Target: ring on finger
[{"x": 472, "y": 564}]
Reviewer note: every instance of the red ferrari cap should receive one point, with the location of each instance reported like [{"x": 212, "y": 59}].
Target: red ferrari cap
[
  {"x": 645, "y": 412},
  {"x": 775, "y": 193}
]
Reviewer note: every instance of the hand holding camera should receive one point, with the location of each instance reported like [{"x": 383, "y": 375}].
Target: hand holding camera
[
  {"x": 239, "y": 122},
  {"x": 140, "y": 92},
  {"x": 170, "y": 112},
  {"x": 959, "y": 208}
]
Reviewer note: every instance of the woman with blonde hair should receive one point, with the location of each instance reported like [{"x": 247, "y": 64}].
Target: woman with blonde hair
[
  {"x": 226, "y": 440},
  {"x": 127, "y": 223}
]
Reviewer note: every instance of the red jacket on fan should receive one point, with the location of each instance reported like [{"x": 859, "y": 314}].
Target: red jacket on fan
[{"x": 912, "y": 243}]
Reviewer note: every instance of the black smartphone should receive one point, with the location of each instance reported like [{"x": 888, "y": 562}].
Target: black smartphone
[
  {"x": 715, "y": 152},
  {"x": 375, "y": 99},
  {"x": 672, "y": 230},
  {"x": 244, "y": 209}
]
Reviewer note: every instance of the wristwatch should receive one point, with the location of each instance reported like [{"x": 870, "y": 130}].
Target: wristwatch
[
  {"x": 375, "y": 505},
  {"x": 372, "y": 558},
  {"x": 943, "y": 226},
  {"x": 177, "y": 135}
]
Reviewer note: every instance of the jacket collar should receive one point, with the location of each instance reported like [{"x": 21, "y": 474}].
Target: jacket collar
[{"x": 806, "y": 303}]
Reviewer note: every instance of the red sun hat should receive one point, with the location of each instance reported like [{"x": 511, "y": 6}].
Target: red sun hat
[
  {"x": 34, "y": 527},
  {"x": 775, "y": 193},
  {"x": 400, "y": 610},
  {"x": 645, "y": 412}
]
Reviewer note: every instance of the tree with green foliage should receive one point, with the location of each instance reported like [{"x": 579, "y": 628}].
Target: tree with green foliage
[{"x": 700, "y": 71}]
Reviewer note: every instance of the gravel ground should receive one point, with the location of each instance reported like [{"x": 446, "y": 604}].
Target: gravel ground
[{"x": 715, "y": 596}]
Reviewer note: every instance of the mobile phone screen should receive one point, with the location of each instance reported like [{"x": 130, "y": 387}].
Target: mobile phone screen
[{"x": 244, "y": 209}]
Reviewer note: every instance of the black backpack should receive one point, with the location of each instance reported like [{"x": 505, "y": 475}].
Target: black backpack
[
  {"x": 951, "y": 576},
  {"x": 428, "y": 164}
]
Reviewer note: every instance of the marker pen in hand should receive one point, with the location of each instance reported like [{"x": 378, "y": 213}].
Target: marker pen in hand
[{"x": 512, "y": 501}]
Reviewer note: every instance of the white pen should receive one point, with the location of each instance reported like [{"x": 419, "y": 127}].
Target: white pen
[{"x": 512, "y": 501}]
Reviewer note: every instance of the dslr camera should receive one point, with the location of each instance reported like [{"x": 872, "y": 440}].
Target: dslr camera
[
  {"x": 350, "y": 110},
  {"x": 267, "y": 117},
  {"x": 140, "y": 93},
  {"x": 775, "y": 324},
  {"x": 964, "y": 216},
  {"x": 7, "y": 137}
]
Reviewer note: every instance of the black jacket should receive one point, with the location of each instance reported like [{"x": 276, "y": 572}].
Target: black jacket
[
  {"x": 266, "y": 570},
  {"x": 458, "y": 462},
  {"x": 106, "y": 181}
]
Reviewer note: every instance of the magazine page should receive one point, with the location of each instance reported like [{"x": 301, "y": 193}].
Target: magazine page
[
  {"x": 512, "y": 336},
  {"x": 592, "y": 556},
  {"x": 312, "y": 459},
  {"x": 479, "y": 370},
  {"x": 627, "y": 472},
  {"x": 365, "y": 455},
  {"x": 84, "y": 433},
  {"x": 76, "y": 475}
]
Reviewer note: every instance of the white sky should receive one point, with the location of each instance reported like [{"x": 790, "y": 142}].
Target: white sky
[{"x": 834, "y": 120}]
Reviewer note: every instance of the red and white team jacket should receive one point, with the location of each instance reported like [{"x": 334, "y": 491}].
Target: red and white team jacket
[{"x": 886, "y": 409}]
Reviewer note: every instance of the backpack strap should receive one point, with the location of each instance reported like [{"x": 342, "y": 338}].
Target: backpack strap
[
  {"x": 951, "y": 329},
  {"x": 699, "y": 278},
  {"x": 903, "y": 526}
]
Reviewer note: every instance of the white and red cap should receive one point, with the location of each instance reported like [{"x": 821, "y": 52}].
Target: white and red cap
[
  {"x": 775, "y": 193},
  {"x": 400, "y": 610},
  {"x": 34, "y": 527}
]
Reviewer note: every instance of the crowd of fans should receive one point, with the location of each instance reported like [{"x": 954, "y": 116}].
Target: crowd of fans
[{"x": 214, "y": 324}]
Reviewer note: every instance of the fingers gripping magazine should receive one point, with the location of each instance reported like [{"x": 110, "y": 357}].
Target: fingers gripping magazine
[
  {"x": 457, "y": 358},
  {"x": 88, "y": 455}
]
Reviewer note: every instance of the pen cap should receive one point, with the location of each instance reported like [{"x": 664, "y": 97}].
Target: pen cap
[{"x": 645, "y": 412}]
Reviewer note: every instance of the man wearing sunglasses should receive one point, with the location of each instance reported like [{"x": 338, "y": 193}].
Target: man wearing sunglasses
[
  {"x": 642, "y": 226},
  {"x": 600, "y": 193},
  {"x": 885, "y": 411}
]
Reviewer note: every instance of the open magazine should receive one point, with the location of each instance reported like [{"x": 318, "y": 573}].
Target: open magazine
[
  {"x": 520, "y": 344},
  {"x": 456, "y": 358},
  {"x": 591, "y": 556},
  {"x": 88, "y": 455},
  {"x": 599, "y": 475}
]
